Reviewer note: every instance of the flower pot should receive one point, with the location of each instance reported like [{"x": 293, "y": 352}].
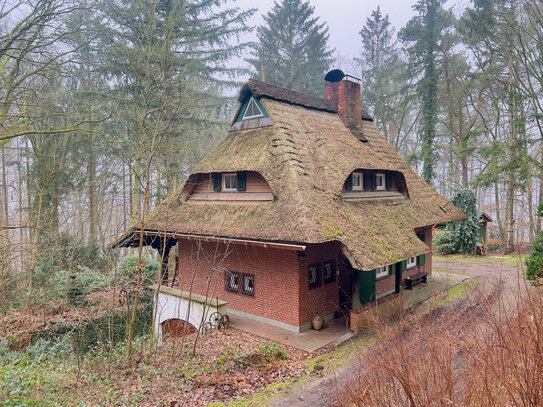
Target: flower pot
[{"x": 317, "y": 322}]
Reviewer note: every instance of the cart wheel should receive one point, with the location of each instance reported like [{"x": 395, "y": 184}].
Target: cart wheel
[
  {"x": 215, "y": 319},
  {"x": 206, "y": 328},
  {"x": 225, "y": 322}
]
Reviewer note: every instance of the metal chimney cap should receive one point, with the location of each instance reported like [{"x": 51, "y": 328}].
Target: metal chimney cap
[{"x": 335, "y": 75}]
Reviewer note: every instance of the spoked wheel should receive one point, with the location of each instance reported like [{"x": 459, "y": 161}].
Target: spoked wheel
[
  {"x": 225, "y": 322},
  {"x": 215, "y": 319},
  {"x": 206, "y": 328}
]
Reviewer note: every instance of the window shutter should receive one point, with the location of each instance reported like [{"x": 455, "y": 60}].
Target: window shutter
[
  {"x": 389, "y": 181},
  {"x": 241, "y": 178},
  {"x": 349, "y": 182},
  {"x": 403, "y": 265},
  {"x": 367, "y": 181},
  {"x": 216, "y": 181},
  {"x": 373, "y": 181},
  {"x": 422, "y": 260}
]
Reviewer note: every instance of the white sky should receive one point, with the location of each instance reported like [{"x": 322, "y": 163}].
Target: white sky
[{"x": 345, "y": 18}]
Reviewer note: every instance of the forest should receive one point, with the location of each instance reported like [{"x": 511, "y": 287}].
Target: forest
[{"x": 107, "y": 105}]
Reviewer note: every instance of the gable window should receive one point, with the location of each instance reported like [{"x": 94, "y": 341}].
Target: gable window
[
  {"x": 252, "y": 111},
  {"x": 411, "y": 262},
  {"x": 314, "y": 274},
  {"x": 383, "y": 271},
  {"x": 380, "y": 182},
  {"x": 357, "y": 181},
  {"x": 229, "y": 182},
  {"x": 329, "y": 271}
]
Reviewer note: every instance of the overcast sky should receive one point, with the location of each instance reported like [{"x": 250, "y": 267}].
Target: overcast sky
[{"x": 345, "y": 18}]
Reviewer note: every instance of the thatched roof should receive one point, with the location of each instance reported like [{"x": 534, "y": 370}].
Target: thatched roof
[{"x": 305, "y": 156}]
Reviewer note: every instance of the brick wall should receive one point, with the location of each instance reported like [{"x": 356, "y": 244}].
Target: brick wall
[
  {"x": 276, "y": 277},
  {"x": 385, "y": 285},
  {"x": 324, "y": 298}
]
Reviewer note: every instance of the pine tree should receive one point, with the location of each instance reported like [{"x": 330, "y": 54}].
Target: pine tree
[
  {"x": 422, "y": 34},
  {"x": 292, "y": 49},
  {"x": 385, "y": 91}
]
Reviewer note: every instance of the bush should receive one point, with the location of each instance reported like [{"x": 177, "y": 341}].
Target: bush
[
  {"x": 534, "y": 262},
  {"x": 445, "y": 242},
  {"x": 78, "y": 283},
  {"x": 127, "y": 270}
]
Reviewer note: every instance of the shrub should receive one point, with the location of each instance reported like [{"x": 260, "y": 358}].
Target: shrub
[
  {"x": 127, "y": 270},
  {"x": 534, "y": 261},
  {"x": 445, "y": 242}
]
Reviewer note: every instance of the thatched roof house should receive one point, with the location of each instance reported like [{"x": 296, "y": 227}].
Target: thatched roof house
[
  {"x": 305, "y": 154},
  {"x": 302, "y": 153}
]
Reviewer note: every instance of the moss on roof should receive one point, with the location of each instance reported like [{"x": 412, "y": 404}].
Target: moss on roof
[{"x": 306, "y": 156}]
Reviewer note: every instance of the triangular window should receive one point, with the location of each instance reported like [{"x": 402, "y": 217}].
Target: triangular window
[{"x": 252, "y": 111}]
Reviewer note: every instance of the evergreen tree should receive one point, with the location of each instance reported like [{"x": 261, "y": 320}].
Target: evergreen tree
[
  {"x": 292, "y": 49},
  {"x": 422, "y": 35},
  {"x": 385, "y": 90},
  {"x": 461, "y": 236}
]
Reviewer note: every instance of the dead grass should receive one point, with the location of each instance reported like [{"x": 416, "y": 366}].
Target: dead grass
[{"x": 485, "y": 351}]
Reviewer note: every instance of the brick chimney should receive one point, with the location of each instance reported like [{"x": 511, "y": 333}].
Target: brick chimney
[{"x": 344, "y": 94}]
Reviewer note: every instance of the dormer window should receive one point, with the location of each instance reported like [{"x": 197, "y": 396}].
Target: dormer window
[
  {"x": 251, "y": 115},
  {"x": 370, "y": 183},
  {"x": 229, "y": 182}
]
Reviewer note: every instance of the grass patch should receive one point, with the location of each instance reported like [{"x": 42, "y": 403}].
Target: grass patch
[
  {"x": 456, "y": 293},
  {"x": 512, "y": 260},
  {"x": 450, "y": 271}
]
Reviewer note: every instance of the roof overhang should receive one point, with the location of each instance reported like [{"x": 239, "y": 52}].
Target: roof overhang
[{"x": 133, "y": 240}]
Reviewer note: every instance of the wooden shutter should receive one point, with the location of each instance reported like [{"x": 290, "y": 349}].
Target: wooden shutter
[
  {"x": 349, "y": 182},
  {"x": 216, "y": 181},
  {"x": 403, "y": 265},
  {"x": 367, "y": 181},
  {"x": 422, "y": 260},
  {"x": 241, "y": 178},
  {"x": 389, "y": 181},
  {"x": 373, "y": 181}
]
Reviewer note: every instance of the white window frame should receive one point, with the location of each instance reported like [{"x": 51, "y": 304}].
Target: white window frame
[
  {"x": 411, "y": 262},
  {"x": 384, "y": 271},
  {"x": 361, "y": 186},
  {"x": 245, "y": 117},
  {"x": 229, "y": 174},
  {"x": 383, "y": 186}
]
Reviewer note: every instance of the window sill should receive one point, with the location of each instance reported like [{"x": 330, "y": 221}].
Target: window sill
[
  {"x": 371, "y": 194},
  {"x": 231, "y": 196}
]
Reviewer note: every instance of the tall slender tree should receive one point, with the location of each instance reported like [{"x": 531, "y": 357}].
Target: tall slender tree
[
  {"x": 292, "y": 48},
  {"x": 422, "y": 35},
  {"x": 385, "y": 86}
]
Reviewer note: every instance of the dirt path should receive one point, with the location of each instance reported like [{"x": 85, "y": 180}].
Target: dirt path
[{"x": 324, "y": 390}]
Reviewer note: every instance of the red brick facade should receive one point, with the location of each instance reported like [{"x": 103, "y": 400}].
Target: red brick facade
[
  {"x": 281, "y": 278},
  {"x": 281, "y": 281}
]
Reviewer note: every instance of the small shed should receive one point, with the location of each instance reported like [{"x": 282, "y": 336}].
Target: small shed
[{"x": 482, "y": 233}]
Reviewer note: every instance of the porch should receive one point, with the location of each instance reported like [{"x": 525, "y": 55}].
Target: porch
[{"x": 334, "y": 332}]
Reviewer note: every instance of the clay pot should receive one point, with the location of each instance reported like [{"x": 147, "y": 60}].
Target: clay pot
[{"x": 317, "y": 322}]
